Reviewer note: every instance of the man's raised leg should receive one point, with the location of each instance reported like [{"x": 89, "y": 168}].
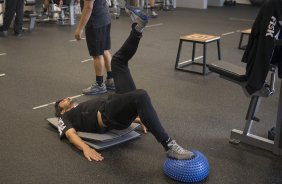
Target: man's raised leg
[
  {"x": 121, "y": 104},
  {"x": 121, "y": 73}
]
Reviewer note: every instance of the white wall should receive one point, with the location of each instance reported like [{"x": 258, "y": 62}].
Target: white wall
[
  {"x": 200, "y": 4},
  {"x": 243, "y": 1},
  {"x": 215, "y": 2}
]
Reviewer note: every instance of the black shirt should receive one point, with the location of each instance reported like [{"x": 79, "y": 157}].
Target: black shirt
[
  {"x": 100, "y": 15},
  {"x": 82, "y": 118}
]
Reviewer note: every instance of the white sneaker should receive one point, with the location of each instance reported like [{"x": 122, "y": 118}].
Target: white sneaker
[{"x": 154, "y": 14}]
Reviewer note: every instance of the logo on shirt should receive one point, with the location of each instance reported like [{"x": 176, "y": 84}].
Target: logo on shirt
[
  {"x": 61, "y": 126},
  {"x": 271, "y": 25}
]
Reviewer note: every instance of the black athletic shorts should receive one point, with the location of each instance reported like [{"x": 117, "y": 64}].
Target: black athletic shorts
[{"x": 98, "y": 39}]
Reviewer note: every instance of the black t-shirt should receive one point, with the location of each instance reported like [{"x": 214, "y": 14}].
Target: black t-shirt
[{"x": 82, "y": 118}]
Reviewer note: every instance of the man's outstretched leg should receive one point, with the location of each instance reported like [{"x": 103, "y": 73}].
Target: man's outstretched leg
[
  {"x": 129, "y": 103},
  {"x": 121, "y": 73}
]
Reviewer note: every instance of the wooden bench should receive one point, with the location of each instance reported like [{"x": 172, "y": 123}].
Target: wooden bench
[
  {"x": 200, "y": 39},
  {"x": 243, "y": 33}
]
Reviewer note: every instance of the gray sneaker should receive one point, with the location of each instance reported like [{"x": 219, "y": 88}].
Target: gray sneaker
[
  {"x": 177, "y": 152},
  {"x": 110, "y": 84},
  {"x": 95, "y": 89},
  {"x": 137, "y": 15}
]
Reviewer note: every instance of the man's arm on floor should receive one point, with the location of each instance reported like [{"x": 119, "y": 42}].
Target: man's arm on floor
[{"x": 89, "y": 153}]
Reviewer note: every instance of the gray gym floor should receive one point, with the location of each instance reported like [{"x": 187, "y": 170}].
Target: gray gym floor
[{"x": 198, "y": 111}]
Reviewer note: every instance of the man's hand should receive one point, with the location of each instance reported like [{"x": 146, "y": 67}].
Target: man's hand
[
  {"x": 92, "y": 154},
  {"x": 88, "y": 152},
  {"x": 143, "y": 127},
  {"x": 85, "y": 15},
  {"x": 77, "y": 34}
]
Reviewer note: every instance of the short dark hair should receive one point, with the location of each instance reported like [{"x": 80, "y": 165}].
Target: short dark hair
[{"x": 58, "y": 109}]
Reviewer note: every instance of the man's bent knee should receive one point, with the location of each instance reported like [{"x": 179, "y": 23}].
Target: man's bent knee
[{"x": 142, "y": 94}]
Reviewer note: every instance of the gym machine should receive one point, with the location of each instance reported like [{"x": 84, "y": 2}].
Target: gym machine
[
  {"x": 165, "y": 5},
  {"x": 64, "y": 15},
  {"x": 237, "y": 74},
  {"x": 31, "y": 15},
  {"x": 115, "y": 7}
]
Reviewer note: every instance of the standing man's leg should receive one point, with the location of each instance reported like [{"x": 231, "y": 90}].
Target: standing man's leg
[
  {"x": 152, "y": 7},
  {"x": 110, "y": 85},
  {"x": 18, "y": 25},
  {"x": 99, "y": 43},
  {"x": 110, "y": 81},
  {"x": 10, "y": 10},
  {"x": 45, "y": 6},
  {"x": 99, "y": 65}
]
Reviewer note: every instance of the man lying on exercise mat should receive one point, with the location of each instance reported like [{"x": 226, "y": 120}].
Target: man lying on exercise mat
[{"x": 119, "y": 110}]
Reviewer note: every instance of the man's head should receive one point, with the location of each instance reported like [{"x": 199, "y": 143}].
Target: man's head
[{"x": 62, "y": 106}]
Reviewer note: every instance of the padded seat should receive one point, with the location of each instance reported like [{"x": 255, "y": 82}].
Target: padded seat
[
  {"x": 29, "y": 14},
  {"x": 229, "y": 70}
]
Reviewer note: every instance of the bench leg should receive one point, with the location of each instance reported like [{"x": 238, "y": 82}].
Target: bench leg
[
  {"x": 218, "y": 50},
  {"x": 32, "y": 23},
  {"x": 204, "y": 58},
  {"x": 72, "y": 18},
  {"x": 240, "y": 42},
  {"x": 178, "y": 54},
  {"x": 193, "y": 51}
]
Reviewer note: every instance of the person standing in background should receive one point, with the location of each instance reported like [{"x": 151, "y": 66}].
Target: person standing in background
[
  {"x": 152, "y": 8},
  {"x": 13, "y": 7},
  {"x": 96, "y": 19}
]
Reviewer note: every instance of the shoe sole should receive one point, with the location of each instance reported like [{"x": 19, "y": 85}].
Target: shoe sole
[
  {"x": 95, "y": 93},
  {"x": 111, "y": 89},
  {"x": 142, "y": 16}
]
